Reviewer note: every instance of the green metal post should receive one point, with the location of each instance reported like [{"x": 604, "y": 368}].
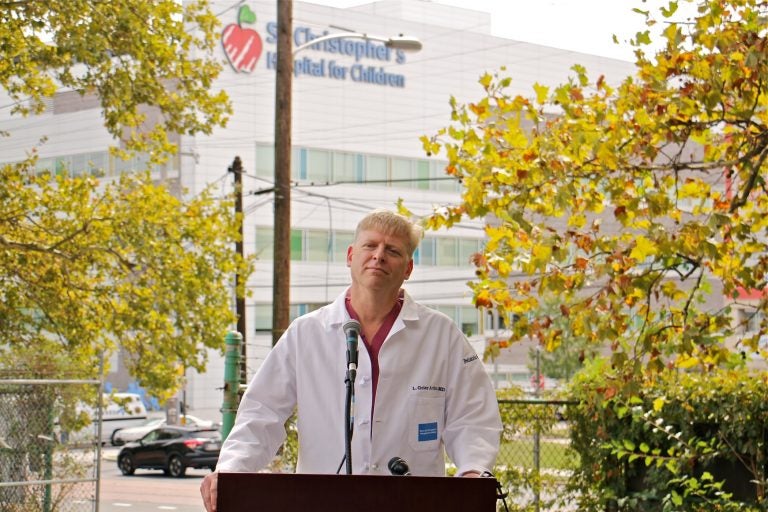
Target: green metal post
[{"x": 233, "y": 341}]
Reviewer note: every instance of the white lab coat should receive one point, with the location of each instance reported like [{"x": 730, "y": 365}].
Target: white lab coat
[{"x": 433, "y": 396}]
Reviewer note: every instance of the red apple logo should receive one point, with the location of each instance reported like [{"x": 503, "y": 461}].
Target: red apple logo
[{"x": 242, "y": 45}]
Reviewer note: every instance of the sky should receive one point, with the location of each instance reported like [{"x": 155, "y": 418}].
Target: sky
[{"x": 580, "y": 25}]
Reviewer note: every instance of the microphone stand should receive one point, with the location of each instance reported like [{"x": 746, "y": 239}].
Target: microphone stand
[
  {"x": 349, "y": 421},
  {"x": 351, "y": 332}
]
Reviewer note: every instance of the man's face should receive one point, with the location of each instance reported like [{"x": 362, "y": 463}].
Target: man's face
[{"x": 379, "y": 261}]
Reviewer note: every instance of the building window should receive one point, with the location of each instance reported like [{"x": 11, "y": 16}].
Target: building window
[
  {"x": 318, "y": 166},
  {"x": 298, "y": 310},
  {"x": 345, "y": 168},
  {"x": 470, "y": 320},
  {"x": 449, "y": 311},
  {"x": 341, "y": 241},
  {"x": 316, "y": 245},
  {"x": 401, "y": 173},
  {"x": 447, "y": 252},
  {"x": 297, "y": 245},
  {"x": 425, "y": 254},
  {"x": 376, "y": 169},
  {"x": 263, "y": 317},
  {"x": 321, "y": 245},
  {"x": 265, "y": 161},
  {"x": 314, "y": 165},
  {"x": 298, "y": 164},
  {"x": 467, "y": 247},
  {"x": 422, "y": 175},
  {"x": 78, "y": 165},
  {"x": 467, "y": 318},
  {"x": 442, "y": 181},
  {"x": 138, "y": 162},
  {"x": 494, "y": 321},
  {"x": 359, "y": 167},
  {"x": 265, "y": 239},
  {"x": 100, "y": 164},
  {"x": 44, "y": 165}
]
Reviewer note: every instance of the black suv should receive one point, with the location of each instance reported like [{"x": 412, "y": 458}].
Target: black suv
[{"x": 172, "y": 449}]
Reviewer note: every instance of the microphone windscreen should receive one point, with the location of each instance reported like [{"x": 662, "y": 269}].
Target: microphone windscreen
[
  {"x": 351, "y": 326},
  {"x": 398, "y": 466}
]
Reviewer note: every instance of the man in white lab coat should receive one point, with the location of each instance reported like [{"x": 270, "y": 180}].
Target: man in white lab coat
[{"x": 420, "y": 389}]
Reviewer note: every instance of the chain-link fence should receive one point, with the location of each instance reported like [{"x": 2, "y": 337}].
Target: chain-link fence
[
  {"x": 49, "y": 457},
  {"x": 535, "y": 459}
]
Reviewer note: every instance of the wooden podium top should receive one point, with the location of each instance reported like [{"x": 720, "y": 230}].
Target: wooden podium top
[{"x": 267, "y": 492}]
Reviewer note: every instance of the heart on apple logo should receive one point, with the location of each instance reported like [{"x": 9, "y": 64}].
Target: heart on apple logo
[{"x": 242, "y": 45}]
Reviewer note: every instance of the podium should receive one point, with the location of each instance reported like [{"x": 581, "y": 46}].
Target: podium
[{"x": 276, "y": 492}]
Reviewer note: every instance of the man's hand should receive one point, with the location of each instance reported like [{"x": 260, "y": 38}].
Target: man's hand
[
  {"x": 470, "y": 474},
  {"x": 208, "y": 491}
]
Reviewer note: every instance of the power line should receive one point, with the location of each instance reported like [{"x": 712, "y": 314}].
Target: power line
[
  {"x": 369, "y": 182},
  {"x": 298, "y": 185},
  {"x": 355, "y": 206},
  {"x": 345, "y": 283}
]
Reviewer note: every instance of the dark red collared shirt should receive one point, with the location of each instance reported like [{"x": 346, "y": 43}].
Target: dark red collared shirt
[{"x": 374, "y": 345}]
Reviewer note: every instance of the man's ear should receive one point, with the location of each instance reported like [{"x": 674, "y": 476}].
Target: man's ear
[
  {"x": 409, "y": 269},
  {"x": 349, "y": 256}
]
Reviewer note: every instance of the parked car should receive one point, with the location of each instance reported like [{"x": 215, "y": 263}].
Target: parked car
[
  {"x": 124, "y": 435},
  {"x": 172, "y": 449},
  {"x": 188, "y": 420},
  {"x": 119, "y": 411}
]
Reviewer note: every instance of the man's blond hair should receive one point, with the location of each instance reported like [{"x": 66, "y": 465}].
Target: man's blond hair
[{"x": 392, "y": 223}]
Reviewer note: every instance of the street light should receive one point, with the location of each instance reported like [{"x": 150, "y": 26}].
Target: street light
[
  {"x": 401, "y": 42},
  {"x": 281, "y": 260}
]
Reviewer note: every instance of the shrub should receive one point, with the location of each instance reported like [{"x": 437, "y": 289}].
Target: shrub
[{"x": 684, "y": 441}]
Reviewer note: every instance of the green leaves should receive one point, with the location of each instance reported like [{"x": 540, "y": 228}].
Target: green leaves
[
  {"x": 89, "y": 269},
  {"x": 134, "y": 57},
  {"x": 632, "y": 204},
  {"x": 672, "y": 441}
]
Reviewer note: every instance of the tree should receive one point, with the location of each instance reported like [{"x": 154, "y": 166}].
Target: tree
[
  {"x": 131, "y": 266},
  {"x": 89, "y": 267},
  {"x": 627, "y": 204},
  {"x": 136, "y": 57},
  {"x": 566, "y": 354}
]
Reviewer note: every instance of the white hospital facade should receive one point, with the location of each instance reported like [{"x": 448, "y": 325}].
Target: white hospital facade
[{"x": 359, "y": 110}]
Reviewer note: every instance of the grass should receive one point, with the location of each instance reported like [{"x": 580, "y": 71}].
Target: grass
[{"x": 552, "y": 454}]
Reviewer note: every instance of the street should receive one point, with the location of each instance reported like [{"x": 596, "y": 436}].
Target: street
[{"x": 148, "y": 490}]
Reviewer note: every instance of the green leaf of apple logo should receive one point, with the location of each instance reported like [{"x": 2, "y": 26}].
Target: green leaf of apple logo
[{"x": 245, "y": 15}]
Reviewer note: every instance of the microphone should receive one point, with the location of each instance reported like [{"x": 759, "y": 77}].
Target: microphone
[
  {"x": 352, "y": 331},
  {"x": 398, "y": 466}
]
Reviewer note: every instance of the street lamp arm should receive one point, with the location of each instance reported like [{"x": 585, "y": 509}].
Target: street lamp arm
[{"x": 405, "y": 43}]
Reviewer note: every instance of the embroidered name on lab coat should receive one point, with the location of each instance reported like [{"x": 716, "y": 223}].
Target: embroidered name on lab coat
[{"x": 428, "y": 388}]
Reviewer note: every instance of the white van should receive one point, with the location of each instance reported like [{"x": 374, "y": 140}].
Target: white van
[{"x": 121, "y": 410}]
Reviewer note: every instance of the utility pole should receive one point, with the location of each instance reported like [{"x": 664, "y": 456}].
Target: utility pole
[
  {"x": 281, "y": 274},
  {"x": 237, "y": 169}
]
